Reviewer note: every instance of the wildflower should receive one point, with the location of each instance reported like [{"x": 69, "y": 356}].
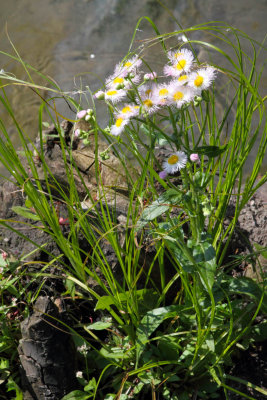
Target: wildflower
[
  {"x": 81, "y": 114},
  {"x": 183, "y": 55},
  {"x": 179, "y": 95},
  {"x": 194, "y": 157},
  {"x": 182, "y": 38},
  {"x": 181, "y": 80},
  {"x": 115, "y": 81},
  {"x": 4, "y": 255},
  {"x": 182, "y": 62},
  {"x": 150, "y": 76},
  {"x": 100, "y": 95},
  {"x": 129, "y": 111},
  {"x": 115, "y": 95},
  {"x": 161, "y": 93},
  {"x": 63, "y": 221},
  {"x": 79, "y": 374},
  {"x": 202, "y": 78},
  {"x": 119, "y": 126},
  {"x": 77, "y": 132},
  {"x": 163, "y": 174},
  {"x": 175, "y": 162},
  {"x": 130, "y": 65},
  {"x": 148, "y": 99}
]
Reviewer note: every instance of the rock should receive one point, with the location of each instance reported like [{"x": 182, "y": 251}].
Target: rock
[{"x": 47, "y": 354}]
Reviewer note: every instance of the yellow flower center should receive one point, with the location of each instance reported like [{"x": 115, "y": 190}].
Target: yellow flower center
[
  {"x": 119, "y": 122},
  {"x": 148, "y": 103},
  {"x": 126, "y": 109},
  {"x": 147, "y": 92},
  {"x": 118, "y": 80},
  {"x": 181, "y": 64},
  {"x": 176, "y": 55},
  {"x": 111, "y": 92},
  {"x": 178, "y": 96},
  {"x": 163, "y": 92},
  {"x": 182, "y": 78},
  {"x": 198, "y": 81},
  {"x": 173, "y": 159},
  {"x": 128, "y": 64}
]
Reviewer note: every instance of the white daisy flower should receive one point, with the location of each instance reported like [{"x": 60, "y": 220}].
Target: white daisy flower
[
  {"x": 115, "y": 81},
  {"x": 173, "y": 56},
  {"x": 128, "y": 66},
  {"x": 119, "y": 126},
  {"x": 202, "y": 78},
  {"x": 119, "y": 81},
  {"x": 160, "y": 93},
  {"x": 180, "y": 64},
  {"x": 115, "y": 95},
  {"x": 182, "y": 80},
  {"x": 175, "y": 162},
  {"x": 148, "y": 99},
  {"x": 179, "y": 95},
  {"x": 129, "y": 111}
]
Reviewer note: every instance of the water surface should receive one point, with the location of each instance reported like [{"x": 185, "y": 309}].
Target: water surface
[{"x": 79, "y": 41}]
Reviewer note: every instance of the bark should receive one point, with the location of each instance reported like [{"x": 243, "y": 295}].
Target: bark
[{"x": 47, "y": 354}]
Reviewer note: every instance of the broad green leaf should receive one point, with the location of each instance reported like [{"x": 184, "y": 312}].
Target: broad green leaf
[
  {"x": 77, "y": 395},
  {"x": 169, "y": 347},
  {"x": 142, "y": 295},
  {"x": 91, "y": 385},
  {"x": 98, "y": 326},
  {"x": 210, "y": 151},
  {"x": 248, "y": 287},
  {"x": 180, "y": 256},
  {"x": 158, "y": 207},
  {"x": 205, "y": 258},
  {"x": 150, "y": 323},
  {"x": 24, "y": 212}
]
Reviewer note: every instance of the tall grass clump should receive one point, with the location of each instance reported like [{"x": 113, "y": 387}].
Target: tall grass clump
[{"x": 171, "y": 314}]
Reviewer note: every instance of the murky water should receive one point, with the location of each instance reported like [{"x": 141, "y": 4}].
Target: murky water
[{"x": 76, "y": 41}]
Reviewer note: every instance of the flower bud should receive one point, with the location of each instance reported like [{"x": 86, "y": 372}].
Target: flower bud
[
  {"x": 194, "y": 157},
  {"x": 150, "y": 76},
  {"x": 81, "y": 114},
  {"x": 90, "y": 111},
  {"x": 100, "y": 95},
  {"x": 163, "y": 174}
]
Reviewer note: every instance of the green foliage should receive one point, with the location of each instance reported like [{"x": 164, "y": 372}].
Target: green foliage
[{"x": 170, "y": 315}]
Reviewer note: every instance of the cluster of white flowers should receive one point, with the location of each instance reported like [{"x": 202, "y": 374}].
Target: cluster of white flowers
[{"x": 186, "y": 80}]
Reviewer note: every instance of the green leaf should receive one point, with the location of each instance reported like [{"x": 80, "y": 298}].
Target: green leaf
[
  {"x": 158, "y": 207},
  {"x": 46, "y": 124},
  {"x": 201, "y": 179},
  {"x": 248, "y": 287},
  {"x": 210, "y": 151},
  {"x": 169, "y": 347},
  {"x": 77, "y": 395},
  {"x": 91, "y": 385},
  {"x": 261, "y": 249},
  {"x": 151, "y": 321},
  {"x": 205, "y": 258},
  {"x": 24, "y": 212},
  {"x": 143, "y": 296},
  {"x": 98, "y": 326},
  {"x": 180, "y": 256}
]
